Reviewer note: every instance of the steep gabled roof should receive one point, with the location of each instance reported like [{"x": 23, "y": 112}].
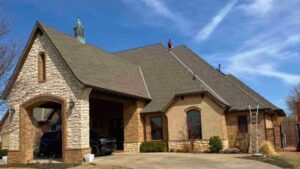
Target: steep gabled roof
[
  {"x": 156, "y": 63},
  {"x": 95, "y": 67},
  {"x": 165, "y": 76}
]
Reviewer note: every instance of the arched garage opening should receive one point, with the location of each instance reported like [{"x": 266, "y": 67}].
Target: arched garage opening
[{"x": 43, "y": 128}]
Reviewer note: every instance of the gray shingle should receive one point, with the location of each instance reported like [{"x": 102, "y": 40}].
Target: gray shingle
[
  {"x": 165, "y": 78},
  {"x": 164, "y": 75},
  {"x": 97, "y": 68}
]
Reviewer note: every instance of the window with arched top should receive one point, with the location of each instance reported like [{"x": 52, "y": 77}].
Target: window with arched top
[
  {"x": 41, "y": 67},
  {"x": 194, "y": 124}
]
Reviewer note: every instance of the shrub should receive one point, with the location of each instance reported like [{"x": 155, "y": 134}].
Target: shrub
[
  {"x": 267, "y": 149},
  {"x": 215, "y": 144},
  {"x": 36, "y": 152},
  {"x": 3, "y": 153},
  {"x": 153, "y": 146}
]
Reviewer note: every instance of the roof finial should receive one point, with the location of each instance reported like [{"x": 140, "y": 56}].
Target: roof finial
[{"x": 79, "y": 31}]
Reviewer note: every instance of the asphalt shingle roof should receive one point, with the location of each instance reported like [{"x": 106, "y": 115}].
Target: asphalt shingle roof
[
  {"x": 163, "y": 80},
  {"x": 164, "y": 75},
  {"x": 97, "y": 68}
]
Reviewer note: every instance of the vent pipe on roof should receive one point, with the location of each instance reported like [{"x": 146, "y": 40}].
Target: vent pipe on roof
[
  {"x": 219, "y": 67},
  {"x": 79, "y": 31},
  {"x": 170, "y": 45}
]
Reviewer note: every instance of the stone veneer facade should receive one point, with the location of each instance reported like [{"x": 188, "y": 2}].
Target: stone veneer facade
[{"x": 60, "y": 82}]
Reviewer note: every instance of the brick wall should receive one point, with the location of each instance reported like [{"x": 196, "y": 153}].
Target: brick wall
[
  {"x": 133, "y": 126},
  {"x": 241, "y": 141}
]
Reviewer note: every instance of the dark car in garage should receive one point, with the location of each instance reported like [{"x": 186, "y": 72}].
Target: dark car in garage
[{"x": 51, "y": 144}]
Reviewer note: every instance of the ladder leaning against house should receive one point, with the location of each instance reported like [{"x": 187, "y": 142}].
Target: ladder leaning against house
[{"x": 253, "y": 134}]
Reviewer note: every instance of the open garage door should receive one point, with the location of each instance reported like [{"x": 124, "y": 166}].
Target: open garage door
[{"x": 106, "y": 119}]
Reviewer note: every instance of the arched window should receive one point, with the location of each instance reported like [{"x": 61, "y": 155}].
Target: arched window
[
  {"x": 41, "y": 67},
  {"x": 194, "y": 124}
]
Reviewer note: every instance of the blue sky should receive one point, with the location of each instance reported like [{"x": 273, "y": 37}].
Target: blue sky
[{"x": 256, "y": 40}]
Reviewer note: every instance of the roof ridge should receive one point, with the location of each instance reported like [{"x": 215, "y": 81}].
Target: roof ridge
[
  {"x": 200, "y": 58},
  {"x": 141, "y": 71},
  {"x": 197, "y": 77},
  {"x": 84, "y": 44},
  {"x": 141, "y": 47}
]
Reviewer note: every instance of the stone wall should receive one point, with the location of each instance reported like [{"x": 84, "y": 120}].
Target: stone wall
[
  {"x": 59, "y": 82},
  {"x": 199, "y": 145}
]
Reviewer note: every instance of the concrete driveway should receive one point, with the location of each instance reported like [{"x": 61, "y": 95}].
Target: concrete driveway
[{"x": 180, "y": 161}]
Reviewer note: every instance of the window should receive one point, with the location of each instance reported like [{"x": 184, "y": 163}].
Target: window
[
  {"x": 243, "y": 124},
  {"x": 41, "y": 67},
  {"x": 194, "y": 124},
  {"x": 156, "y": 128}
]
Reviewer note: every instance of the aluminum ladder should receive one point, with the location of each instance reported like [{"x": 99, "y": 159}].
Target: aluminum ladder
[{"x": 254, "y": 134}]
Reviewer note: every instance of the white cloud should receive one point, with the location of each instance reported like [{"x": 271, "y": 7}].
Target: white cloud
[
  {"x": 258, "y": 7},
  {"x": 264, "y": 59},
  {"x": 216, "y": 20},
  {"x": 160, "y": 9}
]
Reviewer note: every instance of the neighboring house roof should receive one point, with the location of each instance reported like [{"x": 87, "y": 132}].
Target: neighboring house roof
[
  {"x": 95, "y": 67},
  {"x": 151, "y": 73}
]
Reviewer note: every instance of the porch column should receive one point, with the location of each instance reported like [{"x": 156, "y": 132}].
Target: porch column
[
  {"x": 78, "y": 129},
  {"x": 133, "y": 126}
]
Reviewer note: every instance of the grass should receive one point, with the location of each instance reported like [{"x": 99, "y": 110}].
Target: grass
[
  {"x": 283, "y": 160},
  {"x": 60, "y": 166}
]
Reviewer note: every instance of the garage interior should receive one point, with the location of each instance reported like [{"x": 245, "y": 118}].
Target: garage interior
[
  {"x": 106, "y": 119},
  {"x": 47, "y": 119}
]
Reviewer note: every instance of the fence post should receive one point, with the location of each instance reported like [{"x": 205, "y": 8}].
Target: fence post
[{"x": 298, "y": 145}]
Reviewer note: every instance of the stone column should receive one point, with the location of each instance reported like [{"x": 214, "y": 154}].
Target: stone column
[
  {"x": 78, "y": 127},
  {"x": 133, "y": 126}
]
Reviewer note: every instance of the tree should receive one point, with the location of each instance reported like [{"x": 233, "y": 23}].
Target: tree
[
  {"x": 293, "y": 97},
  {"x": 8, "y": 50}
]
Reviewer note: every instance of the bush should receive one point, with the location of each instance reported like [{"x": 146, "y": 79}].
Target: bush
[
  {"x": 3, "y": 153},
  {"x": 153, "y": 146},
  {"x": 36, "y": 152},
  {"x": 215, "y": 144},
  {"x": 267, "y": 149}
]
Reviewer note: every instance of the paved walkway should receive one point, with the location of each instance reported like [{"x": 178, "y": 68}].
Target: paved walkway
[{"x": 181, "y": 161}]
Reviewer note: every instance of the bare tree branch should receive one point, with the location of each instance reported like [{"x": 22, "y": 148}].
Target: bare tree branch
[
  {"x": 8, "y": 50},
  {"x": 293, "y": 98}
]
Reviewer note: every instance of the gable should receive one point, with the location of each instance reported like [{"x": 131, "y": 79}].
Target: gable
[
  {"x": 91, "y": 66},
  {"x": 26, "y": 82}
]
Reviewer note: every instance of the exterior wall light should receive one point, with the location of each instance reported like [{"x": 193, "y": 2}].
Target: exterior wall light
[{"x": 71, "y": 104}]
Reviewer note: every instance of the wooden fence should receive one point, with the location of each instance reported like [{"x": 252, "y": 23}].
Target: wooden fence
[{"x": 289, "y": 133}]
